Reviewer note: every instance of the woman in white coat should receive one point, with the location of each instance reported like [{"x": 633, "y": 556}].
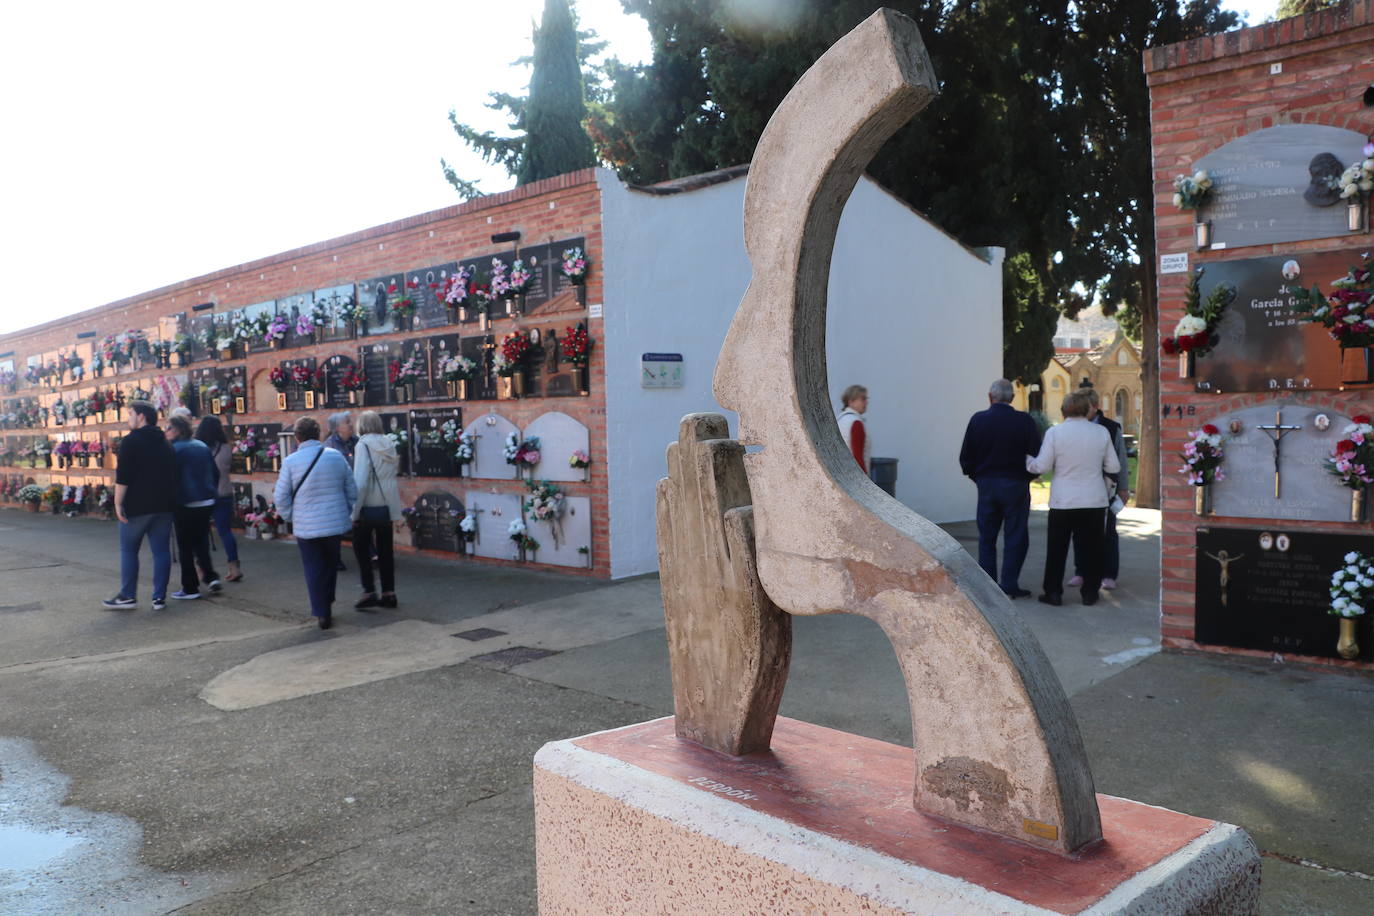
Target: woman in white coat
[
  {"x": 377, "y": 511},
  {"x": 1078, "y": 453}
]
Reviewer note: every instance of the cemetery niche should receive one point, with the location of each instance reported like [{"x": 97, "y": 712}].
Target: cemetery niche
[
  {"x": 434, "y": 521},
  {"x": 1271, "y": 185},
  {"x": 426, "y": 285},
  {"x": 1264, "y": 344},
  {"x": 1269, "y": 589},
  {"x": 433, "y": 440},
  {"x": 493, "y": 513},
  {"x": 490, "y": 432}
]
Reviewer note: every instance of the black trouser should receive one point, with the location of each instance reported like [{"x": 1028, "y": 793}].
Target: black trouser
[
  {"x": 367, "y": 538},
  {"x": 1084, "y": 528},
  {"x": 193, "y": 545}
]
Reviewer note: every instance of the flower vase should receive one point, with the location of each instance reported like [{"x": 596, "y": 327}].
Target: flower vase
[
  {"x": 226, "y": 354},
  {"x": 581, "y": 294},
  {"x": 85, "y": 461},
  {"x": 517, "y": 383},
  {"x": 581, "y": 380},
  {"x": 276, "y": 464},
  {"x": 1354, "y": 365},
  {"x": 483, "y": 321},
  {"x": 352, "y": 329},
  {"x": 1359, "y": 505},
  {"x": 275, "y": 343},
  {"x": 248, "y": 462},
  {"x": 1187, "y": 364},
  {"x": 462, "y": 389},
  {"x": 352, "y": 398},
  {"x": 182, "y": 359},
  {"x": 1346, "y": 646},
  {"x": 100, "y": 461},
  {"x": 463, "y": 313},
  {"x": 269, "y": 534},
  {"x": 1202, "y": 500},
  {"x": 32, "y": 507}
]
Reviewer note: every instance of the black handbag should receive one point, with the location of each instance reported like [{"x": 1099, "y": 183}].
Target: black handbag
[{"x": 374, "y": 515}]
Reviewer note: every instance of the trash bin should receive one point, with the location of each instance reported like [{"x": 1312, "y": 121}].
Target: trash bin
[{"x": 884, "y": 474}]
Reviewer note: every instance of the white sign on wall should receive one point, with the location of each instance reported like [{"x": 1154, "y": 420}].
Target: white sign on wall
[
  {"x": 660, "y": 370},
  {"x": 1173, "y": 263}
]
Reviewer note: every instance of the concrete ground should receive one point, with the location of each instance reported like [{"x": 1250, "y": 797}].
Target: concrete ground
[{"x": 225, "y": 756}]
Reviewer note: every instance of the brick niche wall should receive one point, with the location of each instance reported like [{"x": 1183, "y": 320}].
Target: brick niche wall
[
  {"x": 566, "y": 206},
  {"x": 1203, "y": 94}
]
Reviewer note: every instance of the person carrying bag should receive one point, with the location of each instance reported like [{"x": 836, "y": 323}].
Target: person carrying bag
[{"x": 378, "y": 512}]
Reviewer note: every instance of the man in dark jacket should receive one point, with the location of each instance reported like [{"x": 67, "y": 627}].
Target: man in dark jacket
[
  {"x": 197, "y": 489},
  {"x": 145, "y": 495},
  {"x": 996, "y": 444}
]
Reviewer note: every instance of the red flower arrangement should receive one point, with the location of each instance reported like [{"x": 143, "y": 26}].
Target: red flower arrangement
[
  {"x": 514, "y": 350},
  {"x": 301, "y": 375},
  {"x": 402, "y": 300},
  {"x": 577, "y": 345},
  {"x": 279, "y": 378},
  {"x": 321, "y": 378},
  {"x": 353, "y": 380},
  {"x": 1196, "y": 330}
]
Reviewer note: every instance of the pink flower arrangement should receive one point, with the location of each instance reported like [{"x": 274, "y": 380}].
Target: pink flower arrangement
[
  {"x": 1202, "y": 457},
  {"x": 1352, "y": 460}
]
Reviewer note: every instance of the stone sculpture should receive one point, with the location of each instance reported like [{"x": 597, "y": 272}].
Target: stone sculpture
[{"x": 996, "y": 744}]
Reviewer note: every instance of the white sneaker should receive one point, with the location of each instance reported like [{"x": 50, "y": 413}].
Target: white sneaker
[
  {"x": 1108, "y": 584},
  {"x": 1075, "y": 582},
  {"x": 215, "y": 586}
]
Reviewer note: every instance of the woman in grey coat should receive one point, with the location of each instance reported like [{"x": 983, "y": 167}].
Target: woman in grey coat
[
  {"x": 377, "y": 511},
  {"x": 315, "y": 493}
]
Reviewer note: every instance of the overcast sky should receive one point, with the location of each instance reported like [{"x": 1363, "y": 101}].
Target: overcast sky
[{"x": 152, "y": 141}]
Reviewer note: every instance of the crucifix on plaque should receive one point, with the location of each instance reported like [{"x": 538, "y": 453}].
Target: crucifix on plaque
[
  {"x": 1276, "y": 433},
  {"x": 429, "y": 364}
]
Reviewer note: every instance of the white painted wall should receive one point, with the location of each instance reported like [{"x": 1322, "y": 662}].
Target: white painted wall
[{"x": 913, "y": 315}]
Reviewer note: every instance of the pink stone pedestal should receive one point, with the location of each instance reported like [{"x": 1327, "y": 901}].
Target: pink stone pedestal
[{"x": 637, "y": 821}]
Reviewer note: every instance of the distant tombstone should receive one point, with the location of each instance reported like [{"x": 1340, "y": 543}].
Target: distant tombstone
[
  {"x": 430, "y": 310},
  {"x": 559, "y": 436},
  {"x": 489, "y": 432},
  {"x": 1268, "y": 589},
  {"x": 494, "y": 513},
  {"x": 257, "y": 343},
  {"x": 431, "y": 456},
  {"x": 560, "y": 543},
  {"x": 292, "y": 308},
  {"x": 376, "y": 363},
  {"x": 336, "y": 395},
  {"x": 1306, "y": 490},
  {"x": 296, "y": 394},
  {"x": 373, "y": 295},
  {"x": 243, "y": 494},
  {"x": 1264, "y": 345},
  {"x": 442, "y": 347},
  {"x": 480, "y": 350},
  {"x": 196, "y": 328},
  {"x": 436, "y": 521},
  {"x": 1270, "y": 184},
  {"x": 334, "y": 299}
]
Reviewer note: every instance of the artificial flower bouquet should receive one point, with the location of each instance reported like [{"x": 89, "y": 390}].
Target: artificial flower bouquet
[{"x": 1202, "y": 457}]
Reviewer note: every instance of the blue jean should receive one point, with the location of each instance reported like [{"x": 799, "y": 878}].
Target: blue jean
[
  {"x": 157, "y": 528},
  {"x": 320, "y": 557},
  {"x": 1003, "y": 504},
  {"x": 223, "y": 515}
]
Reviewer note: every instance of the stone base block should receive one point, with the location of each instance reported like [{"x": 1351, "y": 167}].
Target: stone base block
[{"x": 637, "y": 821}]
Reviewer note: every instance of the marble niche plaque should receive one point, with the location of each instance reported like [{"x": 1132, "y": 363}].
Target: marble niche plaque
[
  {"x": 1264, "y": 345},
  {"x": 559, "y": 542},
  {"x": 559, "y": 436},
  {"x": 489, "y": 432},
  {"x": 1306, "y": 490},
  {"x": 1268, "y": 589},
  {"x": 1270, "y": 184},
  {"x": 494, "y": 513}
]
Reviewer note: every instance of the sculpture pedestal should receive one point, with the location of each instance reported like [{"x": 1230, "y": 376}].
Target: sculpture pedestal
[{"x": 636, "y": 821}]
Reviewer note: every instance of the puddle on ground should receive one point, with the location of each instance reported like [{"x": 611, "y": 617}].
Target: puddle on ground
[
  {"x": 60, "y": 859},
  {"x": 22, "y": 848}
]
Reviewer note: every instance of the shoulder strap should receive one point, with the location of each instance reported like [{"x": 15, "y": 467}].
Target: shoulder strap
[
  {"x": 372, "y": 467},
  {"x": 297, "y": 488}
]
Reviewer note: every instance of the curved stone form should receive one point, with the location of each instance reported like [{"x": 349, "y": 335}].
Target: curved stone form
[
  {"x": 996, "y": 743},
  {"x": 489, "y": 447},
  {"x": 559, "y": 436}
]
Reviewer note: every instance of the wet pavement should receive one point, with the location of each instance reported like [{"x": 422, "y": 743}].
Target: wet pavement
[{"x": 225, "y": 756}]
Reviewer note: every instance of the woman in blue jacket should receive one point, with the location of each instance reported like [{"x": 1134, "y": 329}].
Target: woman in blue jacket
[
  {"x": 197, "y": 486},
  {"x": 315, "y": 492}
]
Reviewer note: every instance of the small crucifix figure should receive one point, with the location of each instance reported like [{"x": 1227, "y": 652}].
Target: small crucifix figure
[
  {"x": 429, "y": 362},
  {"x": 1224, "y": 560},
  {"x": 1276, "y": 432}
]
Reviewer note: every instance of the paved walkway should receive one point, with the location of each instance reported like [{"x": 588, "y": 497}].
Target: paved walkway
[{"x": 225, "y": 756}]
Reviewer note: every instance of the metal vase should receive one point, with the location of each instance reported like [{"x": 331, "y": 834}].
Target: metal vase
[
  {"x": 517, "y": 382},
  {"x": 580, "y": 379},
  {"x": 1187, "y": 364},
  {"x": 1359, "y": 505},
  {"x": 1202, "y": 500},
  {"x": 1346, "y": 645}
]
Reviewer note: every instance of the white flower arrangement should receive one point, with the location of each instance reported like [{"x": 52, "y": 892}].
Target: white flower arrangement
[
  {"x": 512, "y": 447},
  {"x": 1192, "y": 191},
  {"x": 1358, "y": 179},
  {"x": 516, "y": 528},
  {"x": 223, "y": 343},
  {"x": 468, "y": 525},
  {"x": 1189, "y": 325},
  {"x": 1352, "y": 586}
]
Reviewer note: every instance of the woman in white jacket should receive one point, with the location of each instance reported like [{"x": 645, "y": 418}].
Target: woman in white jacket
[
  {"x": 1078, "y": 453},
  {"x": 377, "y": 511}
]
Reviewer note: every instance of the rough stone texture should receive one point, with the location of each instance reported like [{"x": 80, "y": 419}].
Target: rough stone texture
[
  {"x": 729, "y": 645},
  {"x": 987, "y": 710},
  {"x": 636, "y": 820}
]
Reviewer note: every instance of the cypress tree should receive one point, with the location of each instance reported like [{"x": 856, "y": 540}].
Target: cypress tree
[{"x": 555, "y": 141}]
